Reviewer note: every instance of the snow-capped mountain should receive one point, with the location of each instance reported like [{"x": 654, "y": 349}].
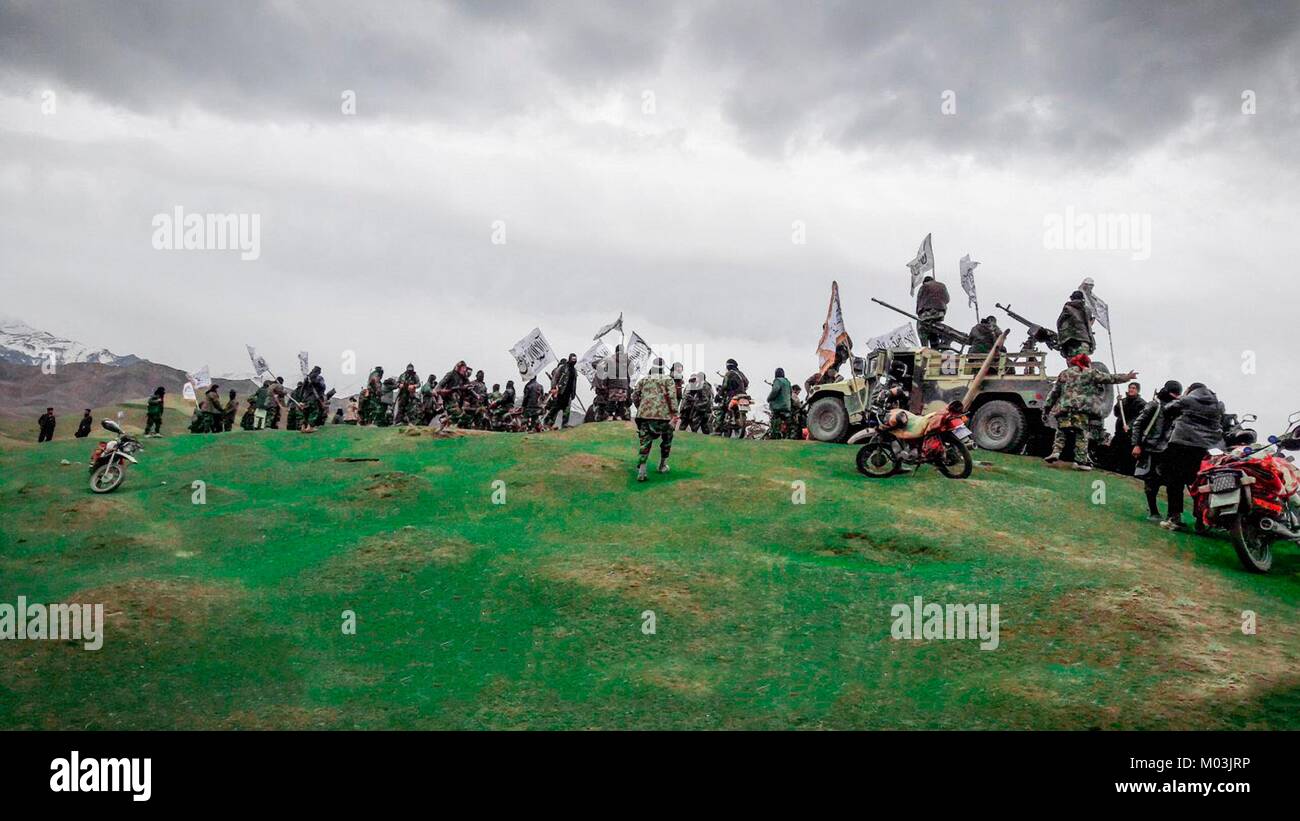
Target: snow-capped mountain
[{"x": 22, "y": 344}]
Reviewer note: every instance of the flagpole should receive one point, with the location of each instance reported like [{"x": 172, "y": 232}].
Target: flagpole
[{"x": 1115, "y": 369}]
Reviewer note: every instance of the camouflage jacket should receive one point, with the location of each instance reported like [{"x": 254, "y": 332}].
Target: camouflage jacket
[
  {"x": 1079, "y": 391},
  {"x": 656, "y": 397}
]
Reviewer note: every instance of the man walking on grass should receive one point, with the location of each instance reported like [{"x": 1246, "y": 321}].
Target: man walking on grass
[{"x": 657, "y": 398}]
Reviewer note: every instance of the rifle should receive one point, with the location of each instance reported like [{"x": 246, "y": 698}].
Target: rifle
[
  {"x": 1036, "y": 332},
  {"x": 946, "y": 333}
]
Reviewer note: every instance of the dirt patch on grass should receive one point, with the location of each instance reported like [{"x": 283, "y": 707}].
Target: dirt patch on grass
[
  {"x": 1188, "y": 639},
  {"x": 587, "y": 464},
  {"x": 89, "y": 511},
  {"x": 882, "y": 547},
  {"x": 390, "y": 485},
  {"x": 644, "y": 585},
  {"x": 679, "y": 680},
  {"x": 147, "y": 606},
  {"x": 397, "y": 555}
]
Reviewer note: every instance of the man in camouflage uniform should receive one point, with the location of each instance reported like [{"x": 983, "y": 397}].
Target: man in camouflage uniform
[
  {"x": 696, "y": 404},
  {"x": 474, "y": 406},
  {"x": 502, "y": 404},
  {"x": 315, "y": 400},
  {"x": 279, "y": 396},
  {"x": 211, "y": 411},
  {"x": 983, "y": 335},
  {"x": 734, "y": 382},
  {"x": 798, "y": 413},
  {"x": 430, "y": 401},
  {"x": 1074, "y": 327},
  {"x": 370, "y": 406},
  {"x": 657, "y": 398},
  {"x": 294, "y": 420},
  {"x": 452, "y": 389},
  {"x": 1074, "y": 400},
  {"x": 408, "y": 405}
]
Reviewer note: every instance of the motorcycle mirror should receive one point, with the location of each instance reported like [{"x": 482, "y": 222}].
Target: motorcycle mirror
[
  {"x": 110, "y": 425},
  {"x": 1273, "y": 440},
  {"x": 1250, "y": 417}
]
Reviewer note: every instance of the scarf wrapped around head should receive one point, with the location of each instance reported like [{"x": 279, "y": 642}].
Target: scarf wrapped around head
[{"x": 1081, "y": 360}]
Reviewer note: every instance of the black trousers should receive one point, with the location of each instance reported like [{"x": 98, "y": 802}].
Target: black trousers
[
  {"x": 1179, "y": 465},
  {"x": 1152, "y": 481},
  {"x": 47, "y": 435}
]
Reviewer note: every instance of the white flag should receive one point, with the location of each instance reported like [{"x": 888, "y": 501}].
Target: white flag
[
  {"x": 302, "y": 363},
  {"x": 188, "y": 392},
  {"x": 200, "y": 379},
  {"x": 968, "y": 279},
  {"x": 1098, "y": 308},
  {"x": 638, "y": 355},
  {"x": 922, "y": 263},
  {"x": 260, "y": 368},
  {"x": 833, "y": 332},
  {"x": 616, "y": 325},
  {"x": 587, "y": 362},
  {"x": 901, "y": 337},
  {"x": 532, "y": 353}
]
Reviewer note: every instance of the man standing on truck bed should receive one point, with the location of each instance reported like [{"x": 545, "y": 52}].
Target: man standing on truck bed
[
  {"x": 931, "y": 306},
  {"x": 1074, "y": 327}
]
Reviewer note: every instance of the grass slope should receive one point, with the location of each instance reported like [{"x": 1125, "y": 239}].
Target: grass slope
[{"x": 769, "y": 614}]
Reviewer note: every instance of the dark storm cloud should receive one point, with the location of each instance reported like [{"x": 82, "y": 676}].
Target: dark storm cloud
[
  {"x": 1081, "y": 78},
  {"x": 1092, "y": 80},
  {"x": 257, "y": 61}
]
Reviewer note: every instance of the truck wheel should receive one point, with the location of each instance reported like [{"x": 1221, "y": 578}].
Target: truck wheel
[
  {"x": 828, "y": 421},
  {"x": 1000, "y": 425}
]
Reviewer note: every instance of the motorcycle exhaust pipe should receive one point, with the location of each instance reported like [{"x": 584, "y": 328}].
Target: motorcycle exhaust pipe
[{"x": 1274, "y": 526}]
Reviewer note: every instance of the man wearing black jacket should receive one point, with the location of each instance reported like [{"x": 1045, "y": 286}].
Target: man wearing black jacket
[
  {"x": 1127, "y": 408},
  {"x": 46, "y": 422},
  {"x": 83, "y": 428},
  {"x": 1197, "y": 419},
  {"x": 564, "y": 386},
  {"x": 533, "y": 404},
  {"x": 1151, "y": 431}
]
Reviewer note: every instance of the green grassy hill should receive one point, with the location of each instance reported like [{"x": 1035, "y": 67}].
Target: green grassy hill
[{"x": 528, "y": 614}]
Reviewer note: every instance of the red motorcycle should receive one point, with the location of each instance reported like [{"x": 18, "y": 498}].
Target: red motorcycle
[
  {"x": 940, "y": 438},
  {"x": 1253, "y": 494}
]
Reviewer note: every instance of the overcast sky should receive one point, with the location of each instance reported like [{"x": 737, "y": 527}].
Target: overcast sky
[{"x": 657, "y": 159}]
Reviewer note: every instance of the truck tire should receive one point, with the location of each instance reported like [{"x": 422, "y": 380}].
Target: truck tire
[
  {"x": 1000, "y": 425},
  {"x": 828, "y": 421}
]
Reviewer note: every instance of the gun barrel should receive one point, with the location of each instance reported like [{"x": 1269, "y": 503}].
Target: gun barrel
[{"x": 894, "y": 308}]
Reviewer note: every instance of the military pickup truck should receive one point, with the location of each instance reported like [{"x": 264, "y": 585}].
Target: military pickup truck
[{"x": 1006, "y": 414}]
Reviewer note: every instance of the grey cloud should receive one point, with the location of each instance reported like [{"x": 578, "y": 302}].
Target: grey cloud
[{"x": 1093, "y": 81}]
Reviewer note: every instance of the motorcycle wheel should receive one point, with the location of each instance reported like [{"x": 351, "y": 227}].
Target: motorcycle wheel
[
  {"x": 956, "y": 463},
  {"x": 876, "y": 460},
  {"x": 1253, "y": 547},
  {"x": 107, "y": 477}
]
